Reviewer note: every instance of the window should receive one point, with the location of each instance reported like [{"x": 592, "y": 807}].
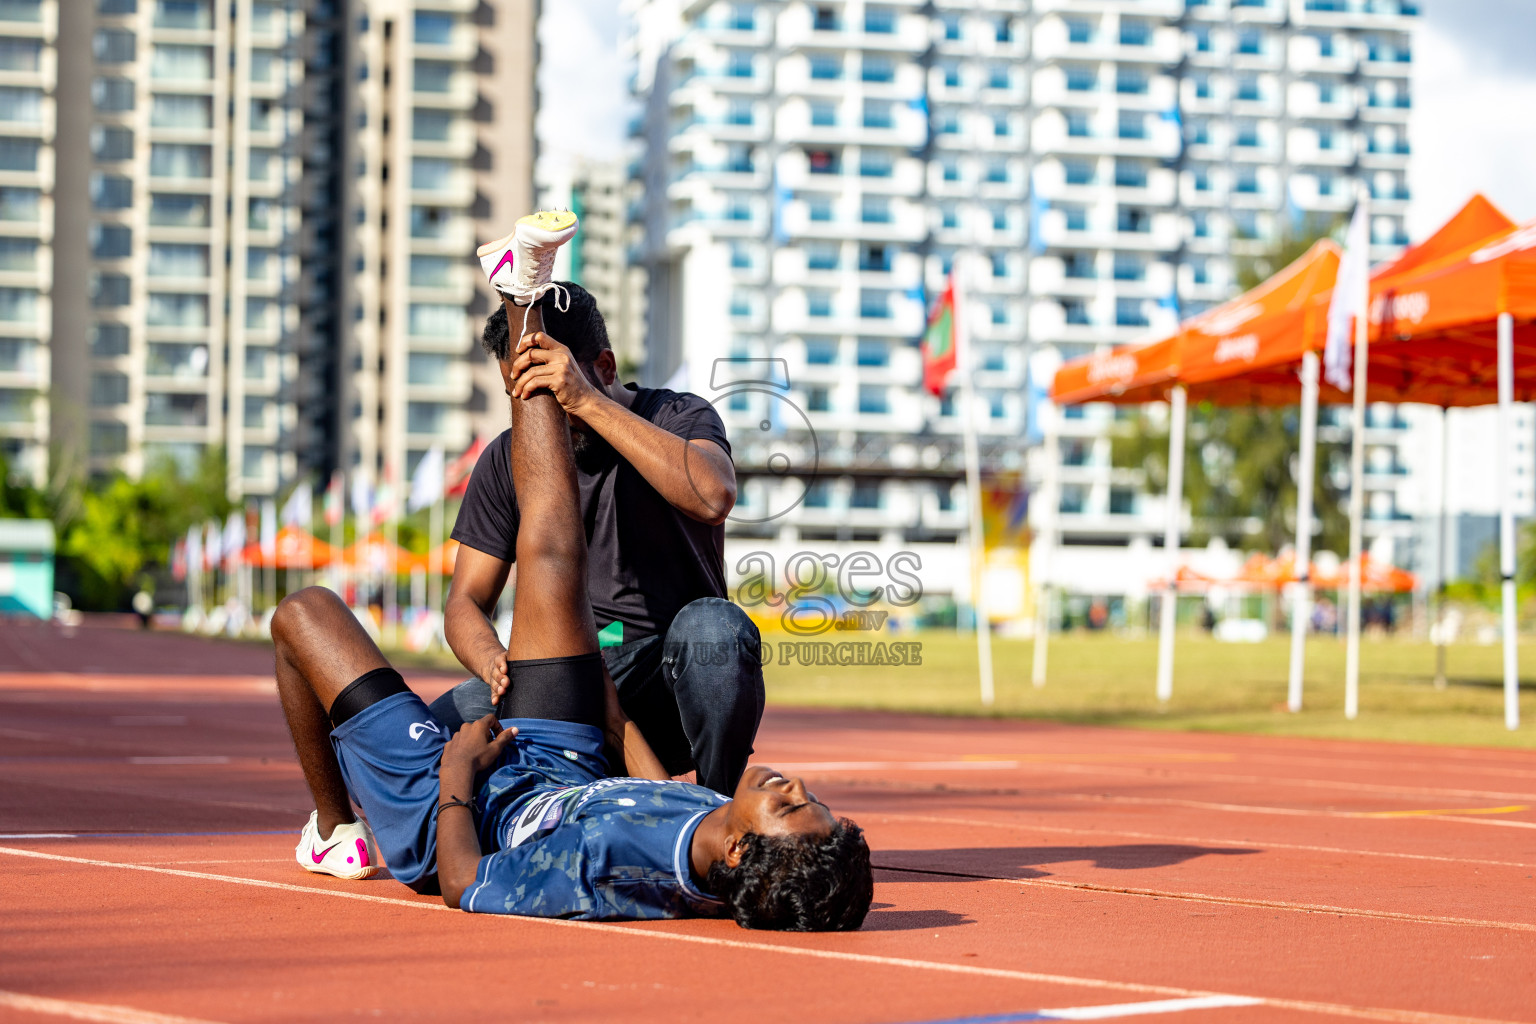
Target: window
[
  {"x": 255, "y": 363},
  {"x": 876, "y": 163},
  {"x": 1200, "y": 224},
  {"x": 997, "y": 172},
  {"x": 1200, "y": 271},
  {"x": 173, "y": 110},
  {"x": 18, "y": 305},
  {"x": 433, "y": 28},
  {"x": 877, "y": 114},
  {"x": 1130, "y": 313},
  {"x": 177, "y": 310},
  {"x": 431, "y": 271},
  {"x": 181, "y": 63},
  {"x": 1132, "y": 219},
  {"x": 875, "y": 210},
  {"x": 743, "y": 18},
  {"x": 818, "y": 399},
  {"x": 1134, "y": 32},
  {"x": 112, "y": 95},
  {"x": 109, "y": 142},
  {"x": 823, "y": 161},
  {"x": 108, "y": 340},
  {"x": 1082, "y": 79},
  {"x": 875, "y": 305},
  {"x": 1250, "y": 43},
  {"x": 1247, "y": 181},
  {"x": 951, "y": 169},
  {"x": 258, "y": 263},
  {"x": 1073, "y": 498},
  {"x": 1202, "y": 179},
  {"x": 741, "y": 256},
  {"x": 1200, "y": 133},
  {"x": 821, "y": 257},
  {"x": 818, "y": 303},
  {"x": 1079, "y": 31},
  {"x": 1202, "y": 87},
  {"x": 1000, "y": 126},
  {"x": 20, "y": 54},
  {"x": 949, "y": 123},
  {"x": 1325, "y": 92},
  {"x": 739, "y": 65},
  {"x": 998, "y": 77},
  {"x": 178, "y": 211},
  {"x": 430, "y": 126},
  {"x": 826, "y": 67},
  {"x": 18, "y": 154},
  {"x": 1131, "y": 81},
  {"x": 111, "y": 241},
  {"x": 951, "y": 27},
  {"x": 1324, "y": 44},
  {"x": 1076, "y": 217},
  {"x": 21, "y": 10},
  {"x": 168, "y": 260},
  {"x": 263, "y": 64},
  {"x": 114, "y": 46},
  {"x": 431, "y": 173},
  {"x": 1079, "y": 172},
  {"x": 1248, "y": 89},
  {"x": 824, "y": 19},
  {"x": 1130, "y": 174},
  {"x": 999, "y": 314},
  {"x": 823, "y": 114},
  {"x": 18, "y": 254},
  {"x": 741, "y": 304},
  {"x": 428, "y": 368},
  {"x": 818, "y": 495},
  {"x": 820, "y": 351},
  {"x": 999, "y": 264},
  {"x": 1324, "y": 137},
  {"x": 879, "y": 20},
  {"x": 108, "y": 438},
  {"x": 1078, "y": 126},
  {"x": 436, "y": 320},
  {"x": 110, "y": 290},
  {"x": 740, "y": 113},
  {"x": 950, "y": 217},
  {"x": 260, "y": 164},
  {"x": 1133, "y": 125},
  {"x": 819, "y": 208},
  {"x": 255, "y": 416},
  {"x": 1247, "y": 135},
  {"x": 187, "y": 361},
  {"x": 951, "y": 76},
  {"x": 874, "y": 401},
  {"x": 1129, "y": 267},
  {"x": 1003, "y": 30},
  {"x": 878, "y": 69},
  {"x": 1078, "y": 265},
  {"x": 1202, "y": 36},
  {"x": 167, "y": 160},
  {"x": 1122, "y": 501},
  {"x": 183, "y": 14},
  {"x": 1324, "y": 184},
  {"x": 873, "y": 352},
  {"x": 109, "y": 389},
  {"x": 433, "y": 76}
]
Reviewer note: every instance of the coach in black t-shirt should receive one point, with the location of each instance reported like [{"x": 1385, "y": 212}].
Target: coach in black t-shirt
[{"x": 656, "y": 481}]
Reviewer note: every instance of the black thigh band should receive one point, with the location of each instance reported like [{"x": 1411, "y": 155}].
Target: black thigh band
[
  {"x": 560, "y": 689},
  {"x": 364, "y": 692}
]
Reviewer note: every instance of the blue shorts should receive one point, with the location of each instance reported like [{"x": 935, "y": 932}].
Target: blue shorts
[{"x": 389, "y": 754}]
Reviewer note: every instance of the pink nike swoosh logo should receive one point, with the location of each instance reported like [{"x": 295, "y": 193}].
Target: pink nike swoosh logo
[
  {"x": 506, "y": 258},
  {"x": 318, "y": 857},
  {"x": 362, "y": 853}
]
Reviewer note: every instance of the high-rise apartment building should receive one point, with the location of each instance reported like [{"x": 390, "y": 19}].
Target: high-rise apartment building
[
  {"x": 813, "y": 171},
  {"x": 250, "y": 225}
]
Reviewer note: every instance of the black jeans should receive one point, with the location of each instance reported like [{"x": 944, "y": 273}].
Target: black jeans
[{"x": 696, "y": 692}]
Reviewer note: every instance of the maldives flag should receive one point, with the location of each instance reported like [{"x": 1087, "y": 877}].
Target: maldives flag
[{"x": 939, "y": 339}]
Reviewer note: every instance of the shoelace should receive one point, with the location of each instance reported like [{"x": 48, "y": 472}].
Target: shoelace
[{"x": 544, "y": 268}]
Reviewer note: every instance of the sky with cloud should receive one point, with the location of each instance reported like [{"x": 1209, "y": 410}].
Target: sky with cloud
[{"x": 1474, "y": 88}]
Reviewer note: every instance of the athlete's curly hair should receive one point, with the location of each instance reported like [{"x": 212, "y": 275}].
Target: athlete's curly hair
[
  {"x": 799, "y": 883},
  {"x": 580, "y": 328}
]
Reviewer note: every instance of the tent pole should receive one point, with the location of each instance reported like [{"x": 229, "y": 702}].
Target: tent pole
[
  {"x": 1445, "y": 514},
  {"x": 1356, "y": 508},
  {"x": 1177, "y": 414},
  {"x": 1301, "y": 608},
  {"x": 1040, "y": 550},
  {"x": 1507, "y": 518}
]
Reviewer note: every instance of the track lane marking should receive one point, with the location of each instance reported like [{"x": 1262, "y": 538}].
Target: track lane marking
[
  {"x": 1331, "y": 1009},
  {"x": 1108, "y": 1011},
  {"x": 1230, "y": 901},
  {"x": 1511, "y": 809},
  {"x": 106, "y": 1013},
  {"x": 1024, "y": 827}
]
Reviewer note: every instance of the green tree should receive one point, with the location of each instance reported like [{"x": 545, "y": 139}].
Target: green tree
[{"x": 1241, "y": 461}]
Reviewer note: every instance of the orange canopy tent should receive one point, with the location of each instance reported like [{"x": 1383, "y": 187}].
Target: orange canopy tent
[
  {"x": 371, "y": 554},
  {"x": 1252, "y": 349},
  {"x": 295, "y": 549},
  {"x": 441, "y": 559}
]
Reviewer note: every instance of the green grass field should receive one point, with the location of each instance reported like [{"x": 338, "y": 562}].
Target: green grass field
[{"x": 1240, "y": 688}]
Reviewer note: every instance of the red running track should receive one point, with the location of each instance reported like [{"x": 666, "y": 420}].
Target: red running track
[{"x": 1026, "y": 872}]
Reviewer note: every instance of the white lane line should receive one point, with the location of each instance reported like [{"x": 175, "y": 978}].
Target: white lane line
[
  {"x": 106, "y": 1013},
  {"x": 1158, "y": 772},
  {"x": 1139, "y": 1009},
  {"x": 1288, "y": 812},
  {"x": 1332, "y": 1009},
  {"x": 37, "y": 835},
  {"x": 1267, "y": 844},
  {"x": 184, "y": 759}
]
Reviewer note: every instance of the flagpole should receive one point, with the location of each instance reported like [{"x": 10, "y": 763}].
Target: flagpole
[
  {"x": 1041, "y": 551},
  {"x": 435, "y": 574},
  {"x": 1301, "y": 608},
  {"x": 1359, "y": 302},
  {"x": 976, "y": 537},
  {"x": 1178, "y": 416},
  {"x": 1506, "y": 364}
]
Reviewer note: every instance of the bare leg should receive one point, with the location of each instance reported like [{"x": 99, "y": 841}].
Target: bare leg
[
  {"x": 551, "y": 614},
  {"x": 321, "y": 648}
]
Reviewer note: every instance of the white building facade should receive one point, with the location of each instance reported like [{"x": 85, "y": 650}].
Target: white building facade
[{"x": 813, "y": 171}]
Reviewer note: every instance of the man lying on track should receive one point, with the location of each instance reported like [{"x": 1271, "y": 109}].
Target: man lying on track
[{"x": 515, "y": 816}]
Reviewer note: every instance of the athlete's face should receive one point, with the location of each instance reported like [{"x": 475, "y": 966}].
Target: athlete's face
[{"x": 771, "y": 805}]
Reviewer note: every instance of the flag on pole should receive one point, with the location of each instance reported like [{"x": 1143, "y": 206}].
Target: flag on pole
[
  {"x": 362, "y": 494},
  {"x": 179, "y": 560},
  {"x": 234, "y": 535},
  {"x": 299, "y": 510},
  {"x": 939, "y": 351},
  {"x": 333, "y": 500},
  {"x": 384, "y": 501},
  {"x": 1349, "y": 294},
  {"x": 194, "y": 549},
  {"x": 427, "y": 481},
  {"x": 269, "y": 530},
  {"x": 456, "y": 476},
  {"x": 213, "y": 544}
]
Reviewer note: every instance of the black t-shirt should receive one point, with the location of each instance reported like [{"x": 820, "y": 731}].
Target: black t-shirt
[{"x": 645, "y": 559}]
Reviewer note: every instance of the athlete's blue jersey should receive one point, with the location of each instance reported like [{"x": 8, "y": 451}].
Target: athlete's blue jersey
[{"x": 571, "y": 843}]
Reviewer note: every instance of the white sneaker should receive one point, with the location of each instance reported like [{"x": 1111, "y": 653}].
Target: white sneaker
[
  {"x": 521, "y": 265},
  {"x": 350, "y": 852}
]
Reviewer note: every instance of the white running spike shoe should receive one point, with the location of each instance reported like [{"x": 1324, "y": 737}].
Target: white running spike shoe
[
  {"x": 349, "y": 853},
  {"x": 521, "y": 265}
]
